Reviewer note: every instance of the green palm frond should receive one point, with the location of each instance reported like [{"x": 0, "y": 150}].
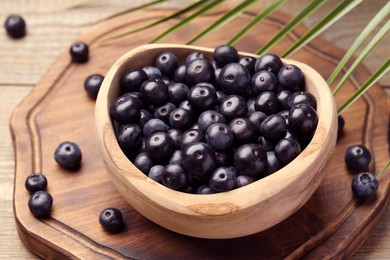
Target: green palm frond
[
  {"x": 160, "y": 20},
  {"x": 224, "y": 19},
  {"x": 382, "y": 32},
  {"x": 337, "y": 13},
  {"x": 379, "y": 17},
  {"x": 366, "y": 86},
  {"x": 187, "y": 20},
  {"x": 309, "y": 9},
  {"x": 275, "y": 4}
]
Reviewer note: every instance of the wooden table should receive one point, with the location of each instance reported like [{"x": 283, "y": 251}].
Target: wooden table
[{"x": 53, "y": 25}]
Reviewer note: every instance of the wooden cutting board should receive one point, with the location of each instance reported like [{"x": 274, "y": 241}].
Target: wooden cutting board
[{"x": 331, "y": 224}]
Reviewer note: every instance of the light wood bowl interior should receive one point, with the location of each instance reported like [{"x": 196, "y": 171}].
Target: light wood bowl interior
[{"x": 236, "y": 213}]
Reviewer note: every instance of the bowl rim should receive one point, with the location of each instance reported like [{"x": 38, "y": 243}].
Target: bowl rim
[{"x": 225, "y": 203}]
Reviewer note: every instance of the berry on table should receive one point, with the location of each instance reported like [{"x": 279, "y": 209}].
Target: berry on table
[
  {"x": 111, "y": 219},
  {"x": 92, "y": 84},
  {"x": 364, "y": 185},
  {"x": 68, "y": 155},
  {"x": 357, "y": 157},
  {"x": 15, "y": 26},
  {"x": 35, "y": 182},
  {"x": 79, "y": 52},
  {"x": 40, "y": 204}
]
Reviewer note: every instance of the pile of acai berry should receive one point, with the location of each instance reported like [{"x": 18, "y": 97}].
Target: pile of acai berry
[{"x": 213, "y": 124}]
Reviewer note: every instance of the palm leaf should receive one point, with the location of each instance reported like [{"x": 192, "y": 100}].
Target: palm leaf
[
  {"x": 224, "y": 19},
  {"x": 275, "y": 4},
  {"x": 161, "y": 20},
  {"x": 382, "y": 32},
  {"x": 338, "y": 12},
  {"x": 309, "y": 9},
  {"x": 187, "y": 20},
  {"x": 366, "y": 86},
  {"x": 359, "y": 40}
]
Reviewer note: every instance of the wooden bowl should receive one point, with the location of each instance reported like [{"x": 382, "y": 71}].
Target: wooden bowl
[{"x": 231, "y": 214}]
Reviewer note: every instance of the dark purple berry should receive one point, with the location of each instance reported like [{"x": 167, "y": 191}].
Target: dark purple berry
[
  {"x": 303, "y": 119},
  {"x": 249, "y": 63},
  {"x": 199, "y": 70},
  {"x": 286, "y": 150},
  {"x": 202, "y": 97},
  {"x": 208, "y": 118},
  {"x": 199, "y": 159},
  {"x": 111, "y": 219},
  {"x": 174, "y": 176},
  {"x": 129, "y": 136},
  {"x": 155, "y": 173},
  {"x": 225, "y": 54},
  {"x": 175, "y": 134},
  {"x": 357, "y": 157},
  {"x": 340, "y": 126},
  {"x": 191, "y": 136},
  {"x": 163, "y": 112},
  {"x": 243, "y": 180},
  {"x": 126, "y": 109},
  {"x": 176, "y": 157},
  {"x": 132, "y": 80},
  {"x": 273, "y": 126},
  {"x": 273, "y": 163},
  {"x": 302, "y": 97},
  {"x": 68, "y": 155},
  {"x": 233, "y": 106},
  {"x": 204, "y": 189},
  {"x": 167, "y": 63},
  {"x": 195, "y": 55},
  {"x": 243, "y": 130},
  {"x": 257, "y": 117},
  {"x": 219, "y": 136},
  {"x": 35, "y": 182},
  {"x": 223, "y": 179},
  {"x": 180, "y": 118},
  {"x": 270, "y": 62},
  {"x": 234, "y": 79},
  {"x": 154, "y": 125},
  {"x": 15, "y": 26},
  {"x": 364, "y": 185},
  {"x": 152, "y": 73},
  {"x": 92, "y": 84},
  {"x": 178, "y": 92},
  {"x": 267, "y": 102},
  {"x": 290, "y": 76},
  {"x": 145, "y": 116},
  {"x": 154, "y": 92},
  {"x": 264, "y": 81},
  {"x": 79, "y": 52},
  {"x": 159, "y": 146},
  {"x": 40, "y": 204},
  {"x": 180, "y": 74},
  {"x": 283, "y": 97},
  {"x": 250, "y": 159},
  {"x": 143, "y": 162}
]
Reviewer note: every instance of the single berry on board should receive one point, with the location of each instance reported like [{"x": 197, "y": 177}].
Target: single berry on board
[
  {"x": 364, "y": 185},
  {"x": 111, "y": 219},
  {"x": 68, "y": 155},
  {"x": 92, "y": 84},
  {"x": 357, "y": 157},
  {"x": 40, "y": 204},
  {"x": 35, "y": 182},
  {"x": 79, "y": 52}
]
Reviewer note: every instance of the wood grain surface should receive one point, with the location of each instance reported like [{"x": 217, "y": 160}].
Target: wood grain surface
[{"x": 53, "y": 25}]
